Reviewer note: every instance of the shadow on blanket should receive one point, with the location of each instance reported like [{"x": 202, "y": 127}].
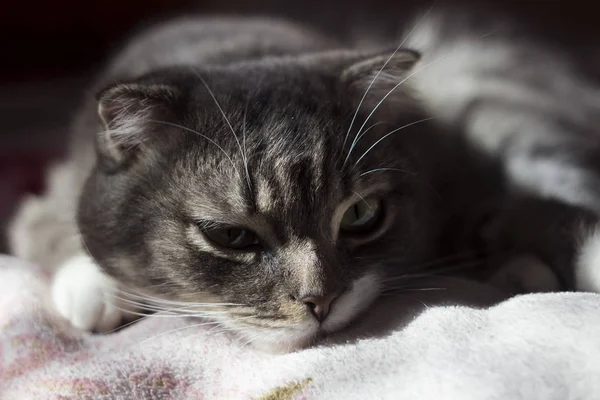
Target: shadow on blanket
[{"x": 394, "y": 311}]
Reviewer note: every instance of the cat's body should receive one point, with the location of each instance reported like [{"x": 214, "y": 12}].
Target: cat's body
[{"x": 259, "y": 134}]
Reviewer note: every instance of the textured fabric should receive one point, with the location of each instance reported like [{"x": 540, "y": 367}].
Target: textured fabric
[{"x": 544, "y": 346}]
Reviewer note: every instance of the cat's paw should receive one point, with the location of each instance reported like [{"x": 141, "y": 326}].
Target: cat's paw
[
  {"x": 587, "y": 263},
  {"x": 87, "y": 297},
  {"x": 525, "y": 274}
]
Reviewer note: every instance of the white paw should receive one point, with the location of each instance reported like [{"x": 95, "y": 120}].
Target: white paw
[
  {"x": 587, "y": 265},
  {"x": 87, "y": 297}
]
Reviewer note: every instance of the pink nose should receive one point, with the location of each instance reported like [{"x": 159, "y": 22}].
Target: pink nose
[{"x": 319, "y": 305}]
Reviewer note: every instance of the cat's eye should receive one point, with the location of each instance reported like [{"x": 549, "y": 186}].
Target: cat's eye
[
  {"x": 362, "y": 216},
  {"x": 231, "y": 237}
]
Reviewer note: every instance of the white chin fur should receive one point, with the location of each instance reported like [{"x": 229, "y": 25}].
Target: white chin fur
[
  {"x": 347, "y": 307},
  {"x": 587, "y": 266}
]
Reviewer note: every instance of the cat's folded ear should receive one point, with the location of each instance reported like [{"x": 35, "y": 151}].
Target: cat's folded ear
[
  {"x": 376, "y": 76},
  {"x": 131, "y": 114}
]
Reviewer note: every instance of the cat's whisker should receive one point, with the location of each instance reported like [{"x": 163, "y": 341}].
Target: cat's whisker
[
  {"x": 412, "y": 289},
  {"x": 220, "y": 328},
  {"x": 149, "y": 315},
  {"x": 358, "y": 136},
  {"x": 241, "y": 337},
  {"x": 179, "y": 311},
  {"x": 387, "y": 169},
  {"x": 85, "y": 246},
  {"x": 118, "y": 328},
  {"x": 167, "y": 303},
  {"x": 415, "y": 279},
  {"x": 212, "y": 95},
  {"x": 412, "y": 297},
  {"x": 432, "y": 273},
  {"x": 437, "y": 272},
  {"x": 366, "y": 131},
  {"x": 176, "y": 330},
  {"x": 363, "y": 199},
  {"x": 166, "y": 315},
  {"x": 157, "y": 300},
  {"x": 355, "y": 142},
  {"x": 251, "y": 339},
  {"x": 469, "y": 255},
  {"x": 245, "y": 151},
  {"x": 224, "y": 329},
  {"x": 389, "y": 134},
  {"x": 447, "y": 262},
  {"x": 150, "y": 304},
  {"x": 397, "y": 86},
  {"x": 216, "y": 331},
  {"x": 199, "y": 134}
]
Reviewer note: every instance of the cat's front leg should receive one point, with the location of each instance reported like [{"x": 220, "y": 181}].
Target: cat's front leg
[
  {"x": 87, "y": 297},
  {"x": 546, "y": 233}
]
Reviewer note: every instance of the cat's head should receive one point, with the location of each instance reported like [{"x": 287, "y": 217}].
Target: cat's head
[{"x": 243, "y": 190}]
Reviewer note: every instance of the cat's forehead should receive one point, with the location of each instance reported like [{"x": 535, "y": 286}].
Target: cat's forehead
[
  {"x": 267, "y": 89},
  {"x": 272, "y": 125},
  {"x": 283, "y": 176},
  {"x": 275, "y": 150}
]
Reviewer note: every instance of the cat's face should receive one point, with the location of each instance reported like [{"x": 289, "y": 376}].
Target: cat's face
[{"x": 248, "y": 204}]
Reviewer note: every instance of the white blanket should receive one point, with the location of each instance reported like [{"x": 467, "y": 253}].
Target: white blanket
[{"x": 544, "y": 346}]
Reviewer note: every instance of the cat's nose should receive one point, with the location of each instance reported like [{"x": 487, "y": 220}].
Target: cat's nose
[{"x": 319, "y": 305}]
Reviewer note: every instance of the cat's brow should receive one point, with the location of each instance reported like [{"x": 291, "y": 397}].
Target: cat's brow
[{"x": 265, "y": 196}]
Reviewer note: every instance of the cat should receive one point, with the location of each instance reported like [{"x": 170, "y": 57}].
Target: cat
[
  {"x": 529, "y": 105},
  {"x": 211, "y": 175},
  {"x": 276, "y": 181}
]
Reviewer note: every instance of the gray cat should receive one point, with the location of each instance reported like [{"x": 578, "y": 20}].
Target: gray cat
[{"x": 276, "y": 182}]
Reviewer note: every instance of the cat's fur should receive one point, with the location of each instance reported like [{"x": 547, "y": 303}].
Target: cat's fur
[{"x": 244, "y": 122}]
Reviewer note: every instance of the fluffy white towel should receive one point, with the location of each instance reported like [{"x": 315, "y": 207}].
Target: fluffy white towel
[{"x": 544, "y": 346}]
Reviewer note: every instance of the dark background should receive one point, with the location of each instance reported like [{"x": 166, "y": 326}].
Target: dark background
[{"x": 51, "y": 48}]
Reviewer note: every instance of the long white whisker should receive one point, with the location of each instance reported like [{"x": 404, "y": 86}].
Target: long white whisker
[
  {"x": 390, "y": 133},
  {"x": 152, "y": 314},
  {"x": 189, "y": 311},
  {"x": 118, "y": 328},
  {"x": 373, "y": 82},
  {"x": 226, "y": 328},
  {"x": 176, "y": 329},
  {"x": 170, "y": 315},
  {"x": 210, "y": 92},
  {"x": 357, "y": 139},
  {"x": 362, "y": 198},
  {"x": 245, "y": 151},
  {"x": 367, "y": 130},
  {"x": 251, "y": 339},
  {"x": 396, "y": 87},
  {"x": 414, "y": 289},
  {"x": 387, "y": 169},
  {"x": 468, "y": 255},
  {"x": 199, "y": 134},
  {"x": 157, "y": 300},
  {"x": 210, "y": 331},
  {"x": 427, "y": 273}
]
